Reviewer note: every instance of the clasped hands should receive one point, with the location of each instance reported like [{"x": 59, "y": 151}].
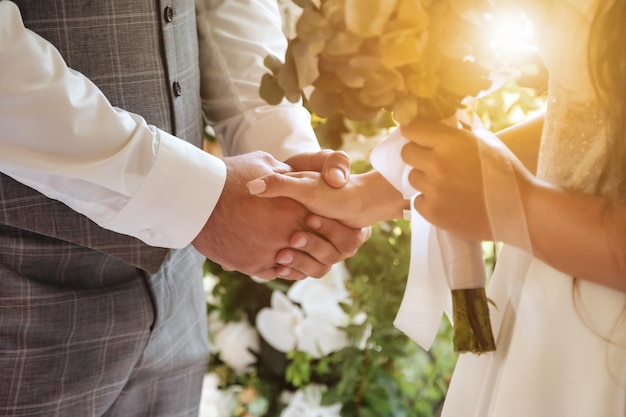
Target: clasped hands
[
  {"x": 277, "y": 237},
  {"x": 447, "y": 169}
]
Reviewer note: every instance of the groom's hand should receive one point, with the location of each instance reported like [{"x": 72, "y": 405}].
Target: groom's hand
[
  {"x": 334, "y": 169},
  {"x": 246, "y": 233}
]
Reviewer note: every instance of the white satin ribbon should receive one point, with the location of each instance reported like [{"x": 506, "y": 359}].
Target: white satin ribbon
[{"x": 439, "y": 260}]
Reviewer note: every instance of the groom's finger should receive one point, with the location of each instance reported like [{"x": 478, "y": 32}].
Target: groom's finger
[
  {"x": 345, "y": 239},
  {"x": 336, "y": 170}
]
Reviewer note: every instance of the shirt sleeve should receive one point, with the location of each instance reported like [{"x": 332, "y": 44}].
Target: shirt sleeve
[
  {"x": 62, "y": 137},
  {"x": 235, "y": 37}
]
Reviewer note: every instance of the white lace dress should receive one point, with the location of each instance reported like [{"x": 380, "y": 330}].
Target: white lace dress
[{"x": 560, "y": 350}]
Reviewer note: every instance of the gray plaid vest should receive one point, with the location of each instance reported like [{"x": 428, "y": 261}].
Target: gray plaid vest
[{"x": 143, "y": 54}]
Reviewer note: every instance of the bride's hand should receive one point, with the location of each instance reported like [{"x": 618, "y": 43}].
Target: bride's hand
[
  {"x": 310, "y": 190},
  {"x": 365, "y": 199},
  {"x": 448, "y": 171}
]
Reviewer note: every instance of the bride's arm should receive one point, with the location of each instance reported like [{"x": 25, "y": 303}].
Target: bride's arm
[
  {"x": 579, "y": 234},
  {"x": 523, "y": 139},
  {"x": 582, "y": 235}
]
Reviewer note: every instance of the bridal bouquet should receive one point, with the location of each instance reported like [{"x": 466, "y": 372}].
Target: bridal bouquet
[{"x": 413, "y": 58}]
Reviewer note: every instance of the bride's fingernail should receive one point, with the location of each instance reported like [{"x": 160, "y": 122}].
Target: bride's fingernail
[
  {"x": 256, "y": 186},
  {"x": 337, "y": 174}
]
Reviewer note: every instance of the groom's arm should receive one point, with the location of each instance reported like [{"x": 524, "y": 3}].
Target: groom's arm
[{"x": 61, "y": 136}]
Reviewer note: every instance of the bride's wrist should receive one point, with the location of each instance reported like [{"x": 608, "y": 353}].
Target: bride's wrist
[{"x": 380, "y": 200}]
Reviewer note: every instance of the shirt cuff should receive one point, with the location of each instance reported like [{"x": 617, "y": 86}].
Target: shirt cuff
[{"x": 176, "y": 198}]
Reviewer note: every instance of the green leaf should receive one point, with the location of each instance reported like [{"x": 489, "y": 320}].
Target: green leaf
[
  {"x": 323, "y": 103},
  {"x": 405, "y": 110},
  {"x": 312, "y": 26},
  {"x": 305, "y": 4},
  {"x": 342, "y": 44},
  {"x": 288, "y": 76},
  {"x": 305, "y": 56},
  {"x": 334, "y": 11},
  {"x": 368, "y": 18},
  {"x": 354, "y": 109},
  {"x": 462, "y": 78},
  {"x": 270, "y": 90},
  {"x": 272, "y": 63}
]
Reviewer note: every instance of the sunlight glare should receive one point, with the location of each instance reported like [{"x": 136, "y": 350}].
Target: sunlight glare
[{"x": 511, "y": 35}]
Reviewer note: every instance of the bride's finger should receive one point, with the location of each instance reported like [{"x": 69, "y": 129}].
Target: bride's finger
[
  {"x": 299, "y": 186},
  {"x": 418, "y": 180},
  {"x": 417, "y": 156},
  {"x": 421, "y": 132},
  {"x": 334, "y": 165}
]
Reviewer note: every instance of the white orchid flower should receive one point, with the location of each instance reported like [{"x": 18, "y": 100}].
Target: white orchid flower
[
  {"x": 285, "y": 327},
  {"x": 307, "y": 403},
  {"x": 330, "y": 287},
  {"x": 235, "y": 340},
  {"x": 277, "y": 324}
]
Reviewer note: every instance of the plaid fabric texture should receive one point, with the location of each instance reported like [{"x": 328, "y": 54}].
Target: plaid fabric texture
[
  {"x": 84, "y": 330},
  {"x": 91, "y": 336},
  {"x": 138, "y": 59}
]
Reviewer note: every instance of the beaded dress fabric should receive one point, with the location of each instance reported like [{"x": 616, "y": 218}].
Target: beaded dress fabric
[
  {"x": 561, "y": 342},
  {"x": 575, "y": 137}
]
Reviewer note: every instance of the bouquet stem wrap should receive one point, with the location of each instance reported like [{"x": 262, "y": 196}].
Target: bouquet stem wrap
[
  {"x": 465, "y": 272},
  {"x": 440, "y": 262}
]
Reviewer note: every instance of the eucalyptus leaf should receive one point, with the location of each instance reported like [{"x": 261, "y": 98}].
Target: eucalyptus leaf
[
  {"x": 305, "y": 60},
  {"x": 288, "y": 77},
  {"x": 312, "y": 26},
  {"x": 354, "y": 108},
  {"x": 368, "y": 18},
  {"x": 273, "y": 63},
  {"x": 342, "y": 44},
  {"x": 305, "y": 4},
  {"x": 334, "y": 11},
  {"x": 270, "y": 90}
]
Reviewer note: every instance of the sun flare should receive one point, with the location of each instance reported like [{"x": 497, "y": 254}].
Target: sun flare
[{"x": 511, "y": 35}]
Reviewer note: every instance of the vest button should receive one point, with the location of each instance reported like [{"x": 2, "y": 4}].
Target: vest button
[
  {"x": 176, "y": 88},
  {"x": 168, "y": 14}
]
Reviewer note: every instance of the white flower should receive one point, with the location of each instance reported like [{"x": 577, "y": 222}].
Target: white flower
[
  {"x": 331, "y": 286},
  {"x": 215, "y": 402},
  {"x": 285, "y": 327},
  {"x": 235, "y": 340},
  {"x": 316, "y": 327},
  {"x": 320, "y": 298},
  {"x": 306, "y": 403}
]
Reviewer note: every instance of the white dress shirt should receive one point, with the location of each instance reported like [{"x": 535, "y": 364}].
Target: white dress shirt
[{"x": 61, "y": 136}]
